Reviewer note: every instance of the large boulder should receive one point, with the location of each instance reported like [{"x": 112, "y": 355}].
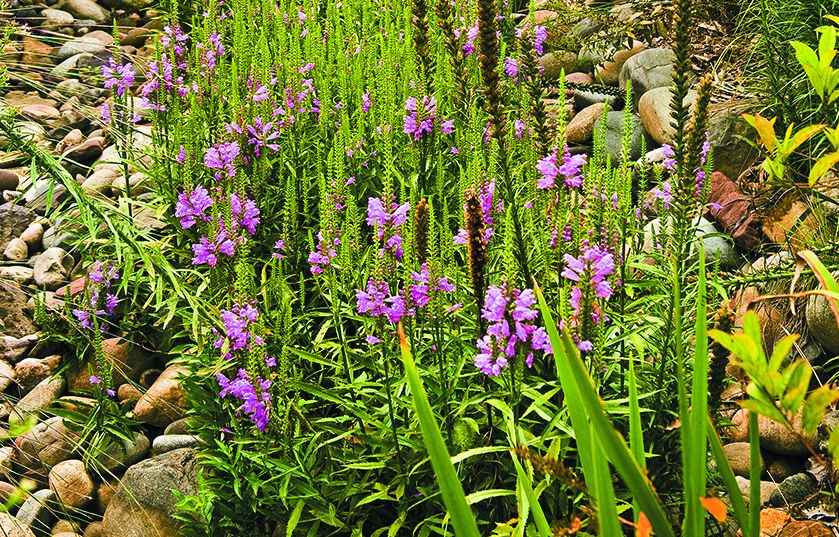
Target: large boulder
[
  {"x": 144, "y": 502},
  {"x": 165, "y": 400},
  {"x": 649, "y": 69},
  {"x": 47, "y": 443},
  {"x": 728, "y": 133},
  {"x": 71, "y": 484},
  {"x": 52, "y": 267},
  {"x": 613, "y": 137},
  {"x": 735, "y": 212},
  {"x": 38, "y": 399},
  {"x": 127, "y": 362},
  {"x": 822, "y": 322},
  {"x": 656, "y": 116}
]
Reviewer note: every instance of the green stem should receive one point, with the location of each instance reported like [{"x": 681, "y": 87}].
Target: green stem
[
  {"x": 754, "y": 476},
  {"x": 393, "y": 417}
]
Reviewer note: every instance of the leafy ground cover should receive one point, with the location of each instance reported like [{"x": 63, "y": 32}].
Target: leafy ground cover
[{"x": 449, "y": 268}]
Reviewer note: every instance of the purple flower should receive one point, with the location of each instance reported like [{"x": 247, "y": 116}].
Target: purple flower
[
  {"x": 471, "y": 35},
  {"x": 94, "y": 380},
  {"x": 547, "y": 168},
  {"x": 255, "y": 403},
  {"x": 221, "y": 157},
  {"x": 270, "y": 361},
  {"x": 366, "y": 102},
  {"x": 325, "y": 251},
  {"x": 119, "y": 76},
  {"x": 665, "y": 194},
  {"x": 193, "y": 205},
  {"x": 669, "y": 161},
  {"x": 571, "y": 169},
  {"x": 372, "y": 340},
  {"x": 238, "y": 332},
  {"x": 511, "y": 67},
  {"x": 540, "y": 34},
  {"x": 280, "y": 247}
]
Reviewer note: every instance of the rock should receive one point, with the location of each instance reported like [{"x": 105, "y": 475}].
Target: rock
[
  {"x": 581, "y": 128},
  {"x": 36, "y": 52},
  {"x": 41, "y": 396},
  {"x": 47, "y": 444},
  {"x": 766, "y": 489},
  {"x": 181, "y": 426},
  {"x": 738, "y": 457},
  {"x": 783, "y": 467},
  {"x": 168, "y": 442},
  {"x": 128, "y": 393},
  {"x": 52, "y": 267},
  {"x": 728, "y": 134},
  {"x": 14, "y": 321},
  {"x": 32, "y": 235},
  {"x": 734, "y": 212},
  {"x": 794, "y": 489},
  {"x": 11, "y": 527},
  {"x": 13, "y": 221},
  {"x": 553, "y": 64},
  {"x": 80, "y": 45},
  {"x": 613, "y": 140},
  {"x": 128, "y": 361},
  {"x": 165, "y": 400},
  {"x": 63, "y": 526},
  {"x": 648, "y": 69},
  {"x": 145, "y": 499},
  {"x": 17, "y": 274},
  {"x": 117, "y": 456},
  {"x": 7, "y": 375},
  {"x": 822, "y": 322},
  {"x": 55, "y": 19},
  {"x": 579, "y": 78},
  {"x": 17, "y": 250},
  {"x": 86, "y": 152},
  {"x": 71, "y": 484},
  {"x": 54, "y": 237},
  {"x": 584, "y": 99},
  {"x": 654, "y": 110},
  {"x": 37, "y": 512},
  {"x": 40, "y": 112},
  {"x": 772, "y": 522},
  {"x": 31, "y": 371},
  {"x": 7, "y": 459},
  {"x": 139, "y": 184},
  {"x": 9, "y": 180},
  {"x": 716, "y": 248},
  {"x": 94, "y": 529},
  {"x": 778, "y": 439},
  {"x": 13, "y": 349},
  {"x": 100, "y": 182},
  {"x": 609, "y": 72},
  {"x": 739, "y": 432},
  {"x": 806, "y": 528},
  {"x": 86, "y": 9}
]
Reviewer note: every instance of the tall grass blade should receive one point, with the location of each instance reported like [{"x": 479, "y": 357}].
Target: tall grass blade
[
  {"x": 451, "y": 489},
  {"x": 738, "y": 505}
]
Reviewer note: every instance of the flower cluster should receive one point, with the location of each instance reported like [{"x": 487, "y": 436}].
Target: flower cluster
[
  {"x": 102, "y": 300},
  {"x": 239, "y": 333},
  {"x": 424, "y": 285},
  {"x": 590, "y": 272},
  {"x": 118, "y": 76},
  {"x": 571, "y": 169},
  {"x": 511, "y": 314},
  {"x": 256, "y": 403},
  {"x": 419, "y": 120},
  {"x": 194, "y": 205},
  {"x": 326, "y": 249},
  {"x": 221, "y": 157},
  {"x": 377, "y": 301},
  {"x": 386, "y": 224}
]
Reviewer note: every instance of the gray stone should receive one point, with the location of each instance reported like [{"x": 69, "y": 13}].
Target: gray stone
[
  {"x": 716, "y": 248},
  {"x": 553, "y": 64},
  {"x": 13, "y": 348},
  {"x": 139, "y": 184},
  {"x": 168, "y": 442},
  {"x": 182, "y": 426},
  {"x": 145, "y": 499},
  {"x": 37, "y": 511},
  {"x": 16, "y": 250},
  {"x": 100, "y": 182},
  {"x": 584, "y": 98},
  {"x": 32, "y": 235},
  {"x": 651, "y": 68},
  {"x": 41, "y": 397},
  {"x": 613, "y": 139},
  {"x": 822, "y": 323},
  {"x": 56, "y": 18},
  {"x": 86, "y": 9},
  {"x": 794, "y": 489},
  {"x": 117, "y": 456},
  {"x": 80, "y": 45},
  {"x": 654, "y": 110},
  {"x": 766, "y": 489},
  {"x": 52, "y": 267},
  {"x": 728, "y": 133},
  {"x": 14, "y": 321},
  {"x": 54, "y": 237}
]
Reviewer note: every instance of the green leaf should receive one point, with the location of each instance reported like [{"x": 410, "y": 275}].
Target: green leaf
[
  {"x": 822, "y": 165},
  {"x": 813, "y": 410},
  {"x": 765, "y": 129},
  {"x": 781, "y": 351},
  {"x": 451, "y": 489},
  {"x": 532, "y": 500},
  {"x": 738, "y": 505}
]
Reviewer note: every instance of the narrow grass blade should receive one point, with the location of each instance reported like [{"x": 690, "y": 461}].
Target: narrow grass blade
[
  {"x": 738, "y": 505},
  {"x": 451, "y": 489},
  {"x": 581, "y": 391},
  {"x": 535, "y": 508},
  {"x": 636, "y": 432}
]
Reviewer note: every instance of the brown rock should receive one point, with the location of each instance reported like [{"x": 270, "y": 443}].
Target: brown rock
[
  {"x": 735, "y": 212},
  {"x": 783, "y": 467},
  {"x": 86, "y": 152},
  {"x": 128, "y": 393},
  {"x": 786, "y": 225},
  {"x": 777, "y": 438},
  {"x": 806, "y": 528},
  {"x": 47, "y": 444},
  {"x": 94, "y": 529},
  {"x": 738, "y": 455},
  {"x": 739, "y": 431},
  {"x": 772, "y": 522},
  {"x": 71, "y": 483},
  {"x": 581, "y": 128},
  {"x": 36, "y": 52},
  {"x": 38, "y": 399},
  {"x": 31, "y": 371},
  {"x": 10, "y": 527},
  {"x": 9, "y": 180},
  {"x": 40, "y": 112},
  {"x": 127, "y": 362},
  {"x": 611, "y": 70},
  {"x": 106, "y": 493},
  {"x": 165, "y": 400}
]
